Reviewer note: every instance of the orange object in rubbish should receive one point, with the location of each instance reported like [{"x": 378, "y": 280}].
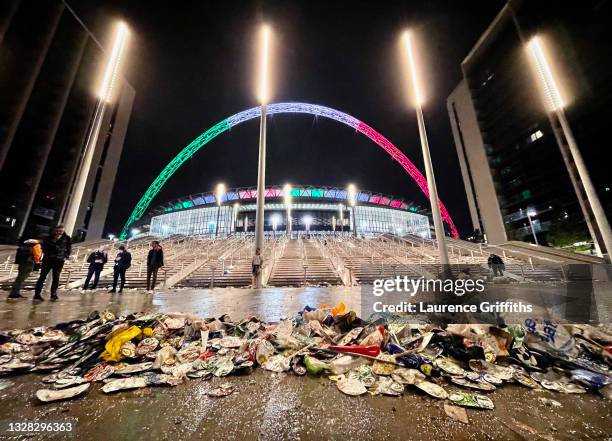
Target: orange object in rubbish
[{"x": 338, "y": 310}]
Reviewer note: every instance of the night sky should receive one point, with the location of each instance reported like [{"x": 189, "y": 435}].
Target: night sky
[{"x": 193, "y": 64}]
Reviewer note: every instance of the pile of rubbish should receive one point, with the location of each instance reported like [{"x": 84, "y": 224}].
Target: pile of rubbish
[{"x": 378, "y": 356}]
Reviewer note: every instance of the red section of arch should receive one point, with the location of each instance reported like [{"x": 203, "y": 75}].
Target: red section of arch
[{"x": 414, "y": 172}]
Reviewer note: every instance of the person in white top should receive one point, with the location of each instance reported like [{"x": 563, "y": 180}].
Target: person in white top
[{"x": 256, "y": 263}]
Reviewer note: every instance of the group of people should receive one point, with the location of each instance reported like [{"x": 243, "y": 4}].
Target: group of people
[{"x": 50, "y": 254}]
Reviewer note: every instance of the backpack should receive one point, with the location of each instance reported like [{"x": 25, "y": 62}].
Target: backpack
[{"x": 23, "y": 254}]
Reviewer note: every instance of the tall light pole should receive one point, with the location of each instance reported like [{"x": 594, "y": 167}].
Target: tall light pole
[
  {"x": 287, "y": 195},
  {"x": 429, "y": 173},
  {"x": 235, "y": 222},
  {"x": 555, "y": 105},
  {"x": 275, "y": 221},
  {"x": 261, "y": 170},
  {"x": 351, "y": 194},
  {"x": 307, "y": 222},
  {"x": 105, "y": 96},
  {"x": 219, "y": 195},
  {"x": 341, "y": 215},
  {"x": 530, "y": 214}
]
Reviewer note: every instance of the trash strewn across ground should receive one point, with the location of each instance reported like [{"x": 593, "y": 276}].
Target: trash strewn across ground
[{"x": 379, "y": 356}]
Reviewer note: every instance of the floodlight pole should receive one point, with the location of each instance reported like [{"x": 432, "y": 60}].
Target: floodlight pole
[
  {"x": 533, "y": 233},
  {"x": 429, "y": 173},
  {"x": 105, "y": 96},
  {"x": 556, "y": 106},
  {"x": 261, "y": 185},
  {"x": 598, "y": 212},
  {"x": 433, "y": 191}
]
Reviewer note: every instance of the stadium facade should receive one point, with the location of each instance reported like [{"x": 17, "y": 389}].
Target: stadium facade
[{"x": 313, "y": 209}]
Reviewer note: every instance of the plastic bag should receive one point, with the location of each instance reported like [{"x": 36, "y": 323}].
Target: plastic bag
[{"x": 116, "y": 340}]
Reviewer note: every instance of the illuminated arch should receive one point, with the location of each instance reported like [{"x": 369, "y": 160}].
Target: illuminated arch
[{"x": 255, "y": 112}]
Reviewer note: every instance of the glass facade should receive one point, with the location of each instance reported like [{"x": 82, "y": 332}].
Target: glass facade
[
  {"x": 374, "y": 220},
  {"x": 201, "y": 221},
  {"x": 321, "y": 217}
]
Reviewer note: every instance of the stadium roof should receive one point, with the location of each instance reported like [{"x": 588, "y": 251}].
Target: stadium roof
[{"x": 321, "y": 193}]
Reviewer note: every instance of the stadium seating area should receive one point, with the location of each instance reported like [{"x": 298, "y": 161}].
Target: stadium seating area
[{"x": 316, "y": 259}]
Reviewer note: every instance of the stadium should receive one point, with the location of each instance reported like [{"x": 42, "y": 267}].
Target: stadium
[{"x": 296, "y": 209}]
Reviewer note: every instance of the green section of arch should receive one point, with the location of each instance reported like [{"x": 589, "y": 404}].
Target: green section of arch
[{"x": 169, "y": 170}]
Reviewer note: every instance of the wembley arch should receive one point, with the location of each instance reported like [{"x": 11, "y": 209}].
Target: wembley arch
[{"x": 272, "y": 109}]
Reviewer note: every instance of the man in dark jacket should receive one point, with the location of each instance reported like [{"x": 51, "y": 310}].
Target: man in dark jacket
[
  {"x": 28, "y": 257},
  {"x": 155, "y": 260},
  {"x": 56, "y": 250},
  {"x": 496, "y": 264},
  {"x": 96, "y": 261},
  {"x": 123, "y": 261}
]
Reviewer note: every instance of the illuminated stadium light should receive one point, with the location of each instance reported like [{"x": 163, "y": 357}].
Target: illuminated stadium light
[
  {"x": 220, "y": 193},
  {"x": 287, "y": 197},
  {"x": 352, "y": 194},
  {"x": 263, "y": 67},
  {"x": 307, "y": 220},
  {"x": 418, "y": 94},
  {"x": 114, "y": 63},
  {"x": 281, "y": 108},
  {"x": 275, "y": 221},
  {"x": 554, "y": 101}
]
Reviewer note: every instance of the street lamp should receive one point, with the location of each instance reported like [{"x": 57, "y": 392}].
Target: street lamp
[
  {"x": 219, "y": 194},
  {"x": 275, "y": 222},
  {"x": 307, "y": 222},
  {"x": 261, "y": 170},
  {"x": 287, "y": 193},
  {"x": 530, "y": 214},
  {"x": 236, "y": 207},
  {"x": 429, "y": 173},
  {"x": 555, "y": 105},
  {"x": 105, "y": 96},
  {"x": 351, "y": 194}
]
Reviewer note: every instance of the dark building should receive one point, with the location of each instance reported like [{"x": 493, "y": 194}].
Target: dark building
[
  {"x": 507, "y": 144},
  {"x": 50, "y": 66}
]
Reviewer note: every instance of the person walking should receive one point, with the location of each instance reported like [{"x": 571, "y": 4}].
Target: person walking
[
  {"x": 256, "y": 264},
  {"x": 496, "y": 264},
  {"x": 27, "y": 258},
  {"x": 123, "y": 261},
  {"x": 56, "y": 250},
  {"x": 96, "y": 261},
  {"x": 155, "y": 260}
]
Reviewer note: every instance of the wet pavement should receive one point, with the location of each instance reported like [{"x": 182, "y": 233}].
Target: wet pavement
[{"x": 267, "y": 406}]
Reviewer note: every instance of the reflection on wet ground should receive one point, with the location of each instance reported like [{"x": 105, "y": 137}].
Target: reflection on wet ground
[{"x": 268, "y": 406}]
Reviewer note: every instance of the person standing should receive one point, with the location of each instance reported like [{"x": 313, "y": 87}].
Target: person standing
[
  {"x": 155, "y": 260},
  {"x": 56, "y": 249},
  {"x": 96, "y": 261},
  {"x": 123, "y": 261},
  {"x": 256, "y": 264},
  {"x": 28, "y": 258},
  {"x": 496, "y": 264}
]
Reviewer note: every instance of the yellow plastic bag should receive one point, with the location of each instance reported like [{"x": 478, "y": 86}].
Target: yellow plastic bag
[{"x": 116, "y": 339}]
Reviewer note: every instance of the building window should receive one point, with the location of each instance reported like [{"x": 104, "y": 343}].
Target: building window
[{"x": 535, "y": 136}]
